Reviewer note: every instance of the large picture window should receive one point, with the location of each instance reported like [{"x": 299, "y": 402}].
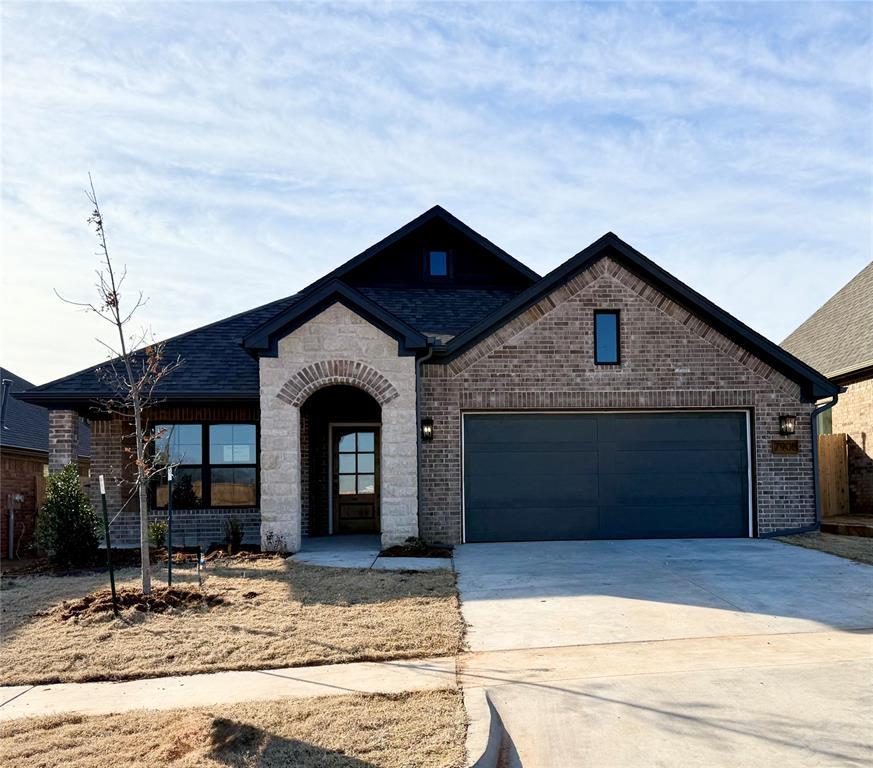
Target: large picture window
[{"x": 215, "y": 465}]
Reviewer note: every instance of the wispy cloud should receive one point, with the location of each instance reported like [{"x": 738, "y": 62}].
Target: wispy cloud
[{"x": 243, "y": 150}]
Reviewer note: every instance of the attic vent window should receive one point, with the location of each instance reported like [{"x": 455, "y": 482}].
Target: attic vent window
[{"x": 438, "y": 263}]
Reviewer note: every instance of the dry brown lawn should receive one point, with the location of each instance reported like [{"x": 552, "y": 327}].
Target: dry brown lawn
[
  {"x": 414, "y": 730},
  {"x": 274, "y": 613},
  {"x": 851, "y": 547}
]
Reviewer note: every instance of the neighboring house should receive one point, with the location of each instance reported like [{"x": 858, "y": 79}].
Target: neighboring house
[
  {"x": 434, "y": 386},
  {"x": 838, "y": 340},
  {"x": 24, "y": 459}
]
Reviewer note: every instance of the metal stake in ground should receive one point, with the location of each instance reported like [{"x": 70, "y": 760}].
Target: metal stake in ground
[
  {"x": 108, "y": 546},
  {"x": 169, "y": 526}
]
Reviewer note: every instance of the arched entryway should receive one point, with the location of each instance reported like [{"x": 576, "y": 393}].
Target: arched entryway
[{"x": 340, "y": 461}]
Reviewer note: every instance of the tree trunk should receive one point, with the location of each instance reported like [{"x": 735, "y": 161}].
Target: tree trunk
[{"x": 143, "y": 498}]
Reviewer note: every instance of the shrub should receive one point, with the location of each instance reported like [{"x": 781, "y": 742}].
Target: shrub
[
  {"x": 233, "y": 534},
  {"x": 67, "y": 526},
  {"x": 158, "y": 533}
]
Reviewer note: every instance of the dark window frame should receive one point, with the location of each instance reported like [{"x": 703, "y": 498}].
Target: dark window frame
[
  {"x": 426, "y": 264},
  {"x": 206, "y": 467},
  {"x": 617, "y": 314}
]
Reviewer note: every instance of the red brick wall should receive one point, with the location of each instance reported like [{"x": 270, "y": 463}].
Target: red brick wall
[
  {"x": 853, "y": 415},
  {"x": 22, "y": 473},
  {"x": 544, "y": 359}
]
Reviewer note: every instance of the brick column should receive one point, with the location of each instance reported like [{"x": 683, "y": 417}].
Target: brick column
[{"x": 63, "y": 439}]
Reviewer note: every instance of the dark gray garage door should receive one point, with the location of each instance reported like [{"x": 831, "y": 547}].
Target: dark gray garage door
[{"x": 531, "y": 477}]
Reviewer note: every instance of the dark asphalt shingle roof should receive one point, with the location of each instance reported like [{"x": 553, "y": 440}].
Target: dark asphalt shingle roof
[
  {"x": 27, "y": 425},
  {"x": 215, "y": 364},
  {"x": 838, "y": 338},
  {"x": 439, "y": 312}
]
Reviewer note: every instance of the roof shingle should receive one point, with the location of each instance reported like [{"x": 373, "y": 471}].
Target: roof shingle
[{"x": 838, "y": 338}]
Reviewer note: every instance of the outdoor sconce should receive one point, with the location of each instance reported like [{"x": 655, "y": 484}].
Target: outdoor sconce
[
  {"x": 787, "y": 424},
  {"x": 426, "y": 430}
]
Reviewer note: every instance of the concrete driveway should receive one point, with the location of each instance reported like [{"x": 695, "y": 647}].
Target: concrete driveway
[{"x": 685, "y": 652}]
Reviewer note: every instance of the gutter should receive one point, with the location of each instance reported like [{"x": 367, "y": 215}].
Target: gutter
[
  {"x": 815, "y": 460},
  {"x": 418, "y": 363}
]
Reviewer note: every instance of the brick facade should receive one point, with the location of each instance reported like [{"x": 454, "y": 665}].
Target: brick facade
[
  {"x": 23, "y": 475},
  {"x": 544, "y": 359},
  {"x": 853, "y": 415},
  {"x": 63, "y": 439},
  {"x": 192, "y": 527}
]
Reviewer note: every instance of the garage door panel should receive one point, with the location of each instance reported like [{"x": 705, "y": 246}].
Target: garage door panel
[
  {"x": 637, "y": 475},
  {"x": 642, "y": 427},
  {"x": 628, "y": 521},
  {"x": 533, "y": 489},
  {"x": 537, "y": 462},
  {"x": 534, "y": 429},
  {"x": 668, "y": 462},
  {"x": 535, "y": 523}
]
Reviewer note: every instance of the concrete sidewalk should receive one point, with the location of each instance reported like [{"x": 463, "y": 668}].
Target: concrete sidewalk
[
  {"x": 227, "y": 687},
  {"x": 362, "y": 551}
]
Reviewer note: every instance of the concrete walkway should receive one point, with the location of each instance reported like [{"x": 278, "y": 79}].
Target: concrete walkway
[
  {"x": 227, "y": 688},
  {"x": 362, "y": 552}
]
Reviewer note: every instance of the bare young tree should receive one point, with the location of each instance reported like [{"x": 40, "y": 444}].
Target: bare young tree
[{"x": 133, "y": 372}]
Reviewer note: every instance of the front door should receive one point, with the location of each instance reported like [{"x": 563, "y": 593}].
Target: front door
[{"x": 355, "y": 479}]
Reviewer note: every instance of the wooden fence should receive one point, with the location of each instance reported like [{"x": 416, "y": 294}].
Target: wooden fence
[{"x": 833, "y": 474}]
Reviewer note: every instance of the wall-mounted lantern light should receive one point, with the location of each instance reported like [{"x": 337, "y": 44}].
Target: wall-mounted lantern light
[
  {"x": 426, "y": 430},
  {"x": 787, "y": 424}
]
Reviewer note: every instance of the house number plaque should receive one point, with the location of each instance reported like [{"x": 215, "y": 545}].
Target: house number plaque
[{"x": 785, "y": 447}]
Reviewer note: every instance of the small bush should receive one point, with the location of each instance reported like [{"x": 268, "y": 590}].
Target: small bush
[
  {"x": 233, "y": 534},
  {"x": 66, "y": 526},
  {"x": 158, "y": 533}
]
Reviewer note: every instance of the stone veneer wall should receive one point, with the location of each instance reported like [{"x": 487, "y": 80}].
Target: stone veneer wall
[
  {"x": 544, "y": 359},
  {"x": 853, "y": 415},
  {"x": 336, "y": 347}
]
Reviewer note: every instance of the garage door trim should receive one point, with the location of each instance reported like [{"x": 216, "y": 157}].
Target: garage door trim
[{"x": 557, "y": 412}]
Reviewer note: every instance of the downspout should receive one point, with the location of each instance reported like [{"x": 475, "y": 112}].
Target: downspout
[
  {"x": 815, "y": 480},
  {"x": 418, "y": 363}
]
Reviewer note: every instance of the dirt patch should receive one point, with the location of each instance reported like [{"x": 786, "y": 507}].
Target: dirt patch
[
  {"x": 276, "y": 613},
  {"x": 414, "y": 730},
  {"x": 159, "y": 601},
  {"x": 857, "y": 548}
]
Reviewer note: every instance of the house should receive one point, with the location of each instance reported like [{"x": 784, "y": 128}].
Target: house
[
  {"x": 435, "y": 386},
  {"x": 838, "y": 339},
  {"x": 24, "y": 460}
]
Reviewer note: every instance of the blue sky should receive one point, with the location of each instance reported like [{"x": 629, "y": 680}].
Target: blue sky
[{"x": 240, "y": 151}]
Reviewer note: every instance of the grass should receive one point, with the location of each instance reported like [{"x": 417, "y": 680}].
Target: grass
[
  {"x": 858, "y": 548},
  {"x": 414, "y": 730},
  {"x": 274, "y": 613}
]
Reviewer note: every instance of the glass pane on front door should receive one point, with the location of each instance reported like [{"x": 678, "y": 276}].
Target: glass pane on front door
[{"x": 356, "y": 463}]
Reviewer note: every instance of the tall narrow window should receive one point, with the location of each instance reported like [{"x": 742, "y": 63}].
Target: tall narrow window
[
  {"x": 606, "y": 337},
  {"x": 438, "y": 263}
]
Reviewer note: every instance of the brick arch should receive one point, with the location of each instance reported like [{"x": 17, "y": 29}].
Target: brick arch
[{"x": 325, "y": 373}]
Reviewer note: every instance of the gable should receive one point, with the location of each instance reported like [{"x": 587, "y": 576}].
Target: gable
[
  {"x": 663, "y": 346},
  {"x": 536, "y": 301},
  {"x": 471, "y": 264}
]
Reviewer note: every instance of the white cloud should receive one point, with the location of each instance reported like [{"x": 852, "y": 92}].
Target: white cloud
[{"x": 242, "y": 150}]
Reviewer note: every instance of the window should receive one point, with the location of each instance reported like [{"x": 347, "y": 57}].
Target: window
[
  {"x": 216, "y": 465},
  {"x": 438, "y": 263},
  {"x": 606, "y": 337},
  {"x": 357, "y": 463}
]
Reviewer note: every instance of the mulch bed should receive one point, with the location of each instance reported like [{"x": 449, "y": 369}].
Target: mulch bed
[
  {"x": 405, "y": 550},
  {"x": 160, "y": 600},
  {"x": 129, "y": 558}
]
